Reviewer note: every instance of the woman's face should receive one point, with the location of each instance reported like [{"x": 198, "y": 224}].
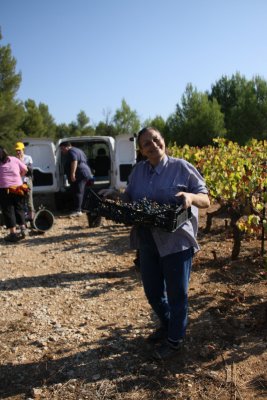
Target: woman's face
[
  {"x": 152, "y": 146},
  {"x": 19, "y": 153}
]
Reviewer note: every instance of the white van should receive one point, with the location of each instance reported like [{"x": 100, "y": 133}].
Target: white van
[{"x": 112, "y": 170}]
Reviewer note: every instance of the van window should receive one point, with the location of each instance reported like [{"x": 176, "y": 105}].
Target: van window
[{"x": 102, "y": 163}]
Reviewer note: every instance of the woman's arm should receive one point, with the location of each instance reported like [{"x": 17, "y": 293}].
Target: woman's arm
[
  {"x": 200, "y": 200},
  {"x": 24, "y": 171},
  {"x": 73, "y": 168}
]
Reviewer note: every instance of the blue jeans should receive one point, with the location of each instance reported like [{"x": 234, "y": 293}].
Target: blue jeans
[
  {"x": 166, "y": 282},
  {"x": 77, "y": 189}
]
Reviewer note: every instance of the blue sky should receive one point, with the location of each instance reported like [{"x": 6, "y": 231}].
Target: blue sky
[{"x": 90, "y": 54}]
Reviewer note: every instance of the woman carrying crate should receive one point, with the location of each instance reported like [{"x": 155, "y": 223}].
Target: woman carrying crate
[{"x": 166, "y": 257}]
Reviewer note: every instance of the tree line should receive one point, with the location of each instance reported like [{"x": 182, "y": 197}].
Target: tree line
[{"x": 235, "y": 109}]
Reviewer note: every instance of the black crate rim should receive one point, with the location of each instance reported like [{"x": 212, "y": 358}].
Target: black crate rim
[{"x": 169, "y": 220}]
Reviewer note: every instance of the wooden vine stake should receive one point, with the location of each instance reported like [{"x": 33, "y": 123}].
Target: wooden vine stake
[{"x": 264, "y": 200}]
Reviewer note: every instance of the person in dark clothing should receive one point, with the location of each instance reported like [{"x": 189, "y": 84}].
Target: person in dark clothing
[
  {"x": 12, "y": 194},
  {"x": 78, "y": 173}
]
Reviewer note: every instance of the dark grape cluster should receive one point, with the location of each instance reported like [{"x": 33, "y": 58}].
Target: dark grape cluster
[
  {"x": 144, "y": 206},
  {"x": 143, "y": 212}
]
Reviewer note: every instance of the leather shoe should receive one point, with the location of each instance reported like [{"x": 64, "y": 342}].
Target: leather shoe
[
  {"x": 158, "y": 335},
  {"x": 167, "y": 351}
]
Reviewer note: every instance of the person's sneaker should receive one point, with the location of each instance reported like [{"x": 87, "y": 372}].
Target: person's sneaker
[
  {"x": 158, "y": 335},
  {"x": 167, "y": 350},
  {"x": 75, "y": 214},
  {"x": 12, "y": 238}
]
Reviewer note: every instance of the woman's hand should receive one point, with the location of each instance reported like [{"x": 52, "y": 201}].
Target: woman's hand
[
  {"x": 73, "y": 178},
  {"x": 200, "y": 200}
]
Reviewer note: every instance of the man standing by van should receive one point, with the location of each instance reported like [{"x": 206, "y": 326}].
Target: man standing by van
[{"x": 78, "y": 173}]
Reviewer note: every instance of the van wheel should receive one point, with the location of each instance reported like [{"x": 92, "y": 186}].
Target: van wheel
[{"x": 93, "y": 220}]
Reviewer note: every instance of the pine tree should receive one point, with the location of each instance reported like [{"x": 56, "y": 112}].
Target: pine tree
[{"x": 11, "y": 109}]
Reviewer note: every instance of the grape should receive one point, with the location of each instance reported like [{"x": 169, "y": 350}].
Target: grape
[{"x": 143, "y": 212}]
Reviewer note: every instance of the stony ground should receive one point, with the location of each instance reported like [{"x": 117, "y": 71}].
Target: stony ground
[{"x": 74, "y": 320}]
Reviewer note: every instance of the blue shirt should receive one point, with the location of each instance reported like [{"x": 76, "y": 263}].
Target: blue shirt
[
  {"x": 161, "y": 184},
  {"x": 83, "y": 170}
]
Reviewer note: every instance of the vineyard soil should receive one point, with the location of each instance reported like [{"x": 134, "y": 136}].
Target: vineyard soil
[{"x": 74, "y": 320}]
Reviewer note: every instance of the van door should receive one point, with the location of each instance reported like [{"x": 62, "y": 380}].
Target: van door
[
  {"x": 42, "y": 152},
  {"x": 125, "y": 158}
]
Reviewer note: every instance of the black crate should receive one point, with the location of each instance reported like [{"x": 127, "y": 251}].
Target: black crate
[{"x": 168, "y": 218}]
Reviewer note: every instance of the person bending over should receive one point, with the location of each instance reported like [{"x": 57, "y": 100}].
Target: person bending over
[
  {"x": 78, "y": 173},
  {"x": 11, "y": 196}
]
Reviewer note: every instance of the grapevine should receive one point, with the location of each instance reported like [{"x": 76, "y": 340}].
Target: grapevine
[{"x": 237, "y": 180}]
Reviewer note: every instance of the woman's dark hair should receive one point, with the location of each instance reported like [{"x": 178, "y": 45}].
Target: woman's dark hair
[
  {"x": 144, "y": 130},
  {"x": 3, "y": 154}
]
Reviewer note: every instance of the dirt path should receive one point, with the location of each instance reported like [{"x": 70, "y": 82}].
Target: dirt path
[{"x": 74, "y": 320}]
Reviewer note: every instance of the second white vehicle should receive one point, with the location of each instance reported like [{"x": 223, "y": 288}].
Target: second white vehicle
[{"x": 111, "y": 161}]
